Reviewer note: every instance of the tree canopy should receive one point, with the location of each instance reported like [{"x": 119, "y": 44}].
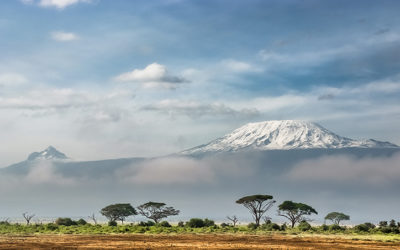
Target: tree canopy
[
  {"x": 257, "y": 204},
  {"x": 295, "y": 212},
  {"x": 337, "y": 217},
  {"x": 116, "y": 212},
  {"x": 156, "y": 211}
]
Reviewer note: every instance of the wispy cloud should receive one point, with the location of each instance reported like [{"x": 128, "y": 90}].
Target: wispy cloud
[
  {"x": 12, "y": 79},
  {"x": 196, "y": 109},
  {"x": 62, "y": 36},
  {"x": 345, "y": 169},
  {"x": 164, "y": 171},
  {"x": 58, "y": 4},
  {"x": 152, "y": 76}
]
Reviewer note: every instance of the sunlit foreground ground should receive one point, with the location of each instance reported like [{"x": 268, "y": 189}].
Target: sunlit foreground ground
[{"x": 197, "y": 241}]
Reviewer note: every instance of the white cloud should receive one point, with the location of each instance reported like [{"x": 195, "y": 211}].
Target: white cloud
[
  {"x": 60, "y": 4},
  {"x": 164, "y": 171},
  {"x": 43, "y": 172},
  {"x": 152, "y": 76},
  {"x": 377, "y": 171},
  {"x": 64, "y": 36},
  {"x": 239, "y": 66},
  {"x": 11, "y": 79},
  {"x": 196, "y": 109}
]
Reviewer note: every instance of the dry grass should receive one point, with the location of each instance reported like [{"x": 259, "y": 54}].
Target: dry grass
[{"x": 189, "y": 241}]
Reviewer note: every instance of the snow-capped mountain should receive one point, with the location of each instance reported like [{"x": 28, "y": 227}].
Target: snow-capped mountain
[
  {"x": 50, "y": 153},
  {"x": 283, "y": 135}
]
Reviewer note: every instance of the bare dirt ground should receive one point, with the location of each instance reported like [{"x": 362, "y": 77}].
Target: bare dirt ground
[{"x": 188, "y": 241}]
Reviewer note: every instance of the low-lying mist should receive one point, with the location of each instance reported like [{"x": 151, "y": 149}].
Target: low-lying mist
[{"x": 364, "y": 185}]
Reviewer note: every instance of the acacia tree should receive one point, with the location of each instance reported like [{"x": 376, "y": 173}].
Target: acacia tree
[
  {"x": 28, "y": 217},
  {"x": 295, "y": 212},
  {"x": 234, "y": 219},
  {"x": 257, "y": 205},
  {"x": 156, "y": 211},
  {"x": 337, "y": 217},
  {"x": 116, "y": 212}
]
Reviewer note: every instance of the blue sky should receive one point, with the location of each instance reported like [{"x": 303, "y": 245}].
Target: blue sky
[{"x": 107, "y": 79}]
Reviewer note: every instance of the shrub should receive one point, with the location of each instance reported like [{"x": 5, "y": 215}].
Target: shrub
[
  {"x": 385, "y": 230},
  {"x": 81, "y": 222},
  {"x": 65, "y": 222},
  {"x": 362, "y": 228},
  {"x": 283, "y": 227},
  {"x": 324, "y": 227},
  {"x": 208, "y": 223},
  {"x": 51, "y": 227},
  {"x": 112, "y": 223},
  {"x": 271, "y": 227},
  {"x": 195, "y": 223},
  {"x": 223, "y": 224},
  {"x": 252, "y": 226},
  {"x": 149, "y": 223},
  {"x": 383, "y": 223},
  {"x": 181, "y": 224},
  {"x": 370, "y": 225},
  {"x": 335, "y": 227},
  {"x": 304, "y": 226},
  {"x": 165, "y": 224}
]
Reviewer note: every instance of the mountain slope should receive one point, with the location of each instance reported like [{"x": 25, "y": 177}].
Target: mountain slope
[{"x": 283, "y": 135}]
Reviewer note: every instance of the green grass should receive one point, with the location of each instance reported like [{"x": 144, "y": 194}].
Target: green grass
[{"x": 88, "y": 229}]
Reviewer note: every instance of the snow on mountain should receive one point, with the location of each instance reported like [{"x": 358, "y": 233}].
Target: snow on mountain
[
  {"x": 49, "y": 153},
  {"x": 283, "y": 135}
]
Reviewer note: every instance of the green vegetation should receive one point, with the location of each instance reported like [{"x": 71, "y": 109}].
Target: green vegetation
[
  {"x": 258, "y": 205},
  {"x": 193, "y": 226},
  {"x": 295, "y": 212}
]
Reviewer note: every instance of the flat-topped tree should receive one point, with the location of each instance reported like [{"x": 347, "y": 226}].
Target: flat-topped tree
[
  {"x": 156, "y": 211},
  {"x": 116, "y": 212},
  {"x": 257, "y": 204},
  {"x": 337, "y": 217},
  {"x": 295, "y": 212}
]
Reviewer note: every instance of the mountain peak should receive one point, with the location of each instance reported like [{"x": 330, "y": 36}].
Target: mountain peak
[
  {"x": 50, "y": 153},
  {"x": 283, "y": 135}
]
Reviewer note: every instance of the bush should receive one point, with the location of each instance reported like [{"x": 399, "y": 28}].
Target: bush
[
  {"x": 252, "y": 226},
  {"x": 223, "y": 224},
  {"x": 369, "y": 225},
  {"x": 385, "y": 230},
  {"x": 181, "y": 224},
  {"x": 383, "y": 223},
  {"x": 271, "y": 227},
  {"x": 195, "y": 223},
  {"x": 283, "y": 227},
  {"x": 208, "y": 223},
  {"x": 362, "y": 228},
  {"x": 81, "y": 222},
  {"x": 335, "y": 227},
  {"x": 165, "y": 224},
  {"x": 304, "y": 226},
  {"x": 65, "y": 222},
  {"x": 149, "y": 223},
  {"x": 112, "y": 223},
  {"x": 51, "y": 227},
  {"x": 324, "y": 227}
]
